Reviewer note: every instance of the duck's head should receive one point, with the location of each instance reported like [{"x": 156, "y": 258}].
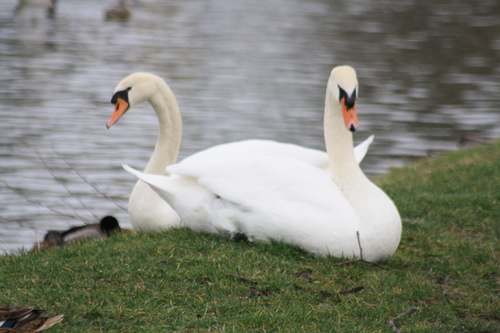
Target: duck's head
[
  {"x": 132, "y": 90},
  {"x": 52, "y": 239},
  {"x": 343, "y": 85},
  {"x": 109, "y": 224}
]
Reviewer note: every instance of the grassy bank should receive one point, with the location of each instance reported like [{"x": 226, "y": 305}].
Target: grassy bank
[{"x": 446, "y": 271}]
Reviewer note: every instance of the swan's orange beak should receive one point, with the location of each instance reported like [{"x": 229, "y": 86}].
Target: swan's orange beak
[
  {"x": 120, "y": 107},
  {"x": 350, "y": 115}
]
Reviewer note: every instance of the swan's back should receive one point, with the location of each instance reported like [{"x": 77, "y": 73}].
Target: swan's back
[{"x": 255, "y": 147}]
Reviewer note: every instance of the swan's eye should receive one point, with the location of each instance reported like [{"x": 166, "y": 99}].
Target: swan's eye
[
  {"x": 123, "y": 94},
  {"x": 348, "y": 100}
]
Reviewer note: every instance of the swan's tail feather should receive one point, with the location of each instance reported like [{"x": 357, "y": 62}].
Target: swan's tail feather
[
  {"x": 158, "y": 183},
  {"x": 132, "y": 171},
  {"x": 361, "y": 149},
  {"x": 148, "y": 178}
]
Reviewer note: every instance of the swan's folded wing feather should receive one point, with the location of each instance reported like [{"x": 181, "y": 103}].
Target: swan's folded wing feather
[
  {"x": 314, "y": 157},
  {"x": 263, "y": 197},
  {"x": 280, "y": 198},
  {"x": 244, "y": 179}
]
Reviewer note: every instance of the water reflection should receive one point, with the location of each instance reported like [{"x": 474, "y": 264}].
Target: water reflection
[{"x": 429, "y": 74}]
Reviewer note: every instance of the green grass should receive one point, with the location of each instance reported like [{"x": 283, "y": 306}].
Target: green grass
[{"x": 179, "y": 281}]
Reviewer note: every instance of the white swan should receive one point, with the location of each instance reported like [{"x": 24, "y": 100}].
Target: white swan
[
  {"x": 149, "y": 212},
  {"x": 341, "y": 213}
]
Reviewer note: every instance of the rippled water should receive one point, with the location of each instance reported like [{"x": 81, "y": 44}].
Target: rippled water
[{"x": 429, "y": 75}]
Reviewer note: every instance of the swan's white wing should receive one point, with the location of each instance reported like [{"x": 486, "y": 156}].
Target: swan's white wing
[
  {"x": 192, "y": 202},
  {"x": 263, "y": 197},
  {"x": 277, "y": 197},
  {"x": 243, "y": 178}
]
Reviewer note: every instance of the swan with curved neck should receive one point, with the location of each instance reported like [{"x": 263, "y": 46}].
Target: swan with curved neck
[
  {"x": 147, "y": 211},
  {"x": 340, "y": 213}
]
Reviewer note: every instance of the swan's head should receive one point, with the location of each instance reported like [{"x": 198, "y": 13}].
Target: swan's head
[
  {"x": 343, "y": 85},
  {"x": 132, "y": 90}
]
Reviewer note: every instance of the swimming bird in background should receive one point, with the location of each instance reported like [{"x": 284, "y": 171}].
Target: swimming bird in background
[
  {"x": 339, "y": 213},
  {"x": 148, "y": 211},
  {"x": 49, "y": 5},
  {"x": 25, "y": 319},
  {"x": 119, "y": 11}
]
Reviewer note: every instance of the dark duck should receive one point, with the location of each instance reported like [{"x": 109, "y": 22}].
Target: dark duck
[{"x": 105, "y": 228}]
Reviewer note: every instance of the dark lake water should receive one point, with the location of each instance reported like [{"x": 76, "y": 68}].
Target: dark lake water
[{"x": 429, "y": 74}]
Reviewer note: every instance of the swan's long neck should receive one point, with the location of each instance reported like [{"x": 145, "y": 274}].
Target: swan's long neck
[
  {"x": 379, "y": 228},
  {"x": 344, "y": 169},
  {"x": 170, "y": 131}
]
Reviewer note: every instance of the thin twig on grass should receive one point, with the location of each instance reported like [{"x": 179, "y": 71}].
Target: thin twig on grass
[
  {"x": 352, "y": 290},
  {"x": 361, "y": 258},
  {"x": 242, "y": 278},
  {"x": 392, "y": 321},
  {"x": 359, "y": 244}
]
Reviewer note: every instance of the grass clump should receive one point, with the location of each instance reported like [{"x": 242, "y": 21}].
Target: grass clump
[{"x": 178, "y": 281}]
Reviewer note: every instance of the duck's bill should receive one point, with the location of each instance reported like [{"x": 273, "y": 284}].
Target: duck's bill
[{"x": 121, "y": 106}]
